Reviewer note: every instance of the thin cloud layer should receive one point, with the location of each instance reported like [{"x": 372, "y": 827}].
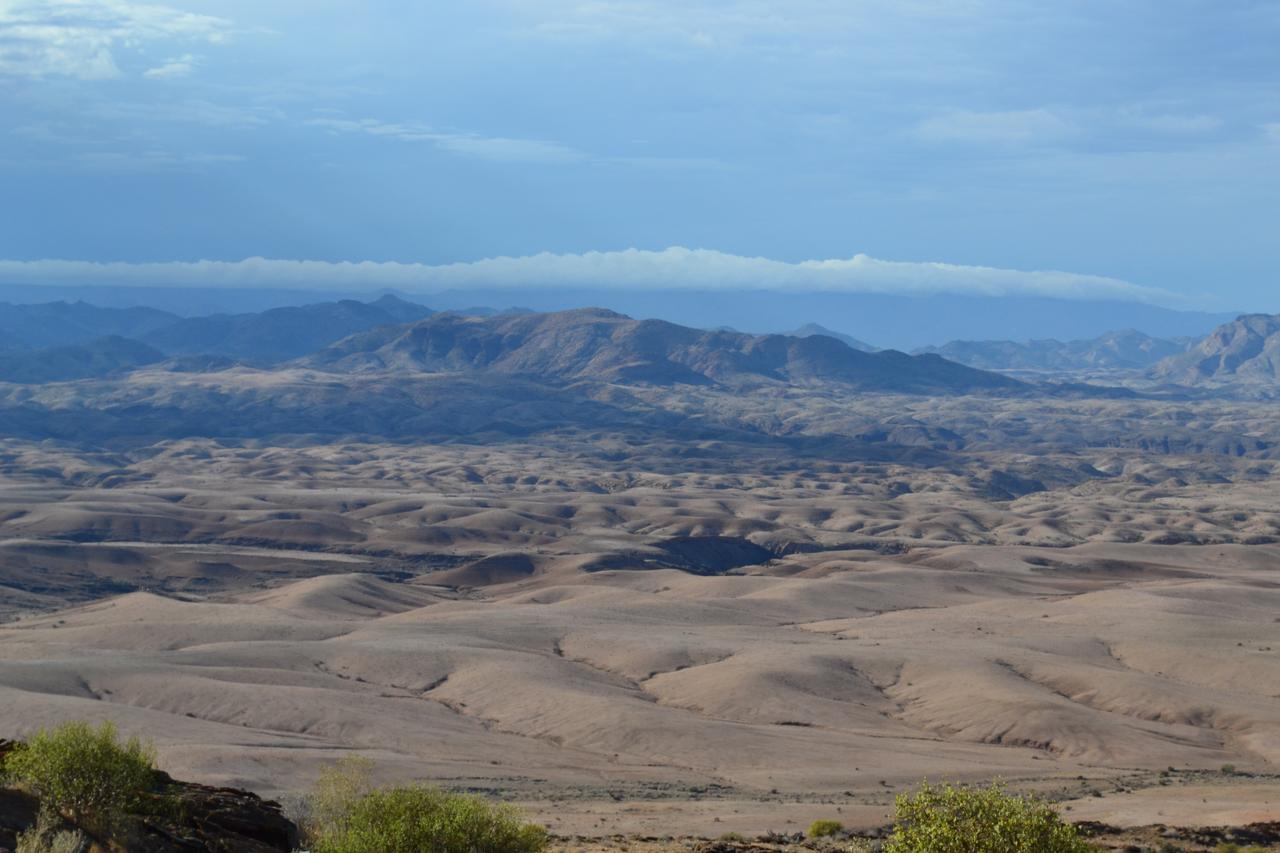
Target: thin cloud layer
[
  {"x": 634, "y": 269},
  {"x": 80, "y": 38}
]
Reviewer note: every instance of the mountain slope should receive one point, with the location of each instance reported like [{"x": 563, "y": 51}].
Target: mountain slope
[
  {"x": 1246, "y": 350},
  {"x": 601, "y": 345},
  {"x": 280, "y": 334},
  {"x": 1126, "y": 349}
]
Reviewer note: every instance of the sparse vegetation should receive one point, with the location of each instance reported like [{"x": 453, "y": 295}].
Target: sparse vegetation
[
  {"x": 825, "y": 828},
  {"x": 346, "y": 814},
  {"x": 1231, "y": 847},
  {"x": 50, "y": 836},
  {"x": 961, "y": 819},
  {"x": 84, "y": 774}
]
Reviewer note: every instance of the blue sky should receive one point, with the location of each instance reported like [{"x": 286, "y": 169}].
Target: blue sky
[{"x": 1128, "y": 148}]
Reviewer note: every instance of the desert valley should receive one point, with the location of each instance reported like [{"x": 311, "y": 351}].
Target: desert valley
[
  {"x": 660, "y": 426},
  {"x": 651, "y": 580}
]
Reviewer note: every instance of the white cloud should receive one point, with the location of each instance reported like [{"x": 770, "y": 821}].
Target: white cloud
[
  {"x": 179, "y": 66},
  {"x": 80, "y": 38},
  {"x": 497, "y": 148},
  {"x": 1013, "y": 127},
  {"x": 673, "y": 268}
]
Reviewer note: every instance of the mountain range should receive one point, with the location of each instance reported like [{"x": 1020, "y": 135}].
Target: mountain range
[
  {"x": 1127, "y": 349},
  {"x": 888, "y": 320},
  {"x": 65, "y": 341},
  {"x": 602, "y": 345}
]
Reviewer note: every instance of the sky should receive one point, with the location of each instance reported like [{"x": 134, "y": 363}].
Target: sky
[{"x": 1125, "y": 149}]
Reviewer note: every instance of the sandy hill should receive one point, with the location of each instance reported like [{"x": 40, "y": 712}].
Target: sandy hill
[
  {"x": 598, "y": 344},
  {"x": 1244, "y": 350}
]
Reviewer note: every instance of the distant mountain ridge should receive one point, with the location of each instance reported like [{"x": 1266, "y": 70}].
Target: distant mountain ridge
[
  {"x": 808, "y": 330},
  {"x": 102, "y": 357},
  {"x": 1125, "y": 349},
  {"x": 598, "y": 344},
  {"x": 280, "y": 334},
  {"x": 275, "y": 335},
  {"x": 54, "y": 324},
  {"x": 889, "y": 320},
  {"x": 1246, "y": 350}
]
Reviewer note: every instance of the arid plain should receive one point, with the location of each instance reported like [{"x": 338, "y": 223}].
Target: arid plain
[{"x": 722, "y": 609}]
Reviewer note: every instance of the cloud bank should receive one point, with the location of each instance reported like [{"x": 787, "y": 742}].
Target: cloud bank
[{"x": 632, "y": 269}]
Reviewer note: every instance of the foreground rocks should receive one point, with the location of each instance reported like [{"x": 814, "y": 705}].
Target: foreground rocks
[
  {"x": 1157, "y": 838},
  {"x": 178, "y": 816}
]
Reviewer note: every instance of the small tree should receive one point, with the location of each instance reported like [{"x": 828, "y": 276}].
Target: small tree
[
  {"x": 960, "y": 819},
  {"x": 86, "y": 774}
]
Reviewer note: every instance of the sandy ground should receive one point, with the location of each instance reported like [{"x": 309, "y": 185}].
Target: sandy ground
[{"x": 589, "y": 639}]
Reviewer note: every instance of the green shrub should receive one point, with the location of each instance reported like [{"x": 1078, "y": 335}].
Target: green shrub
[
  {"x": 961, "y": 819},
  {"x": 346, "y": 815},
  {"x": 1231, "y": 847},
  {"x": 86, "y": 774},
  {"x": 825, "y": 828}
]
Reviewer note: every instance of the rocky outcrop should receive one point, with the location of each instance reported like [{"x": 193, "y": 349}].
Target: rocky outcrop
[{"x": 176, "y": 816}]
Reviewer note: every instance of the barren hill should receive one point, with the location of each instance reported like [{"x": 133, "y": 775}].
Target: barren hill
[
  {"x": 1244, "y": 350},
  {"x": 598, "y": 344}
]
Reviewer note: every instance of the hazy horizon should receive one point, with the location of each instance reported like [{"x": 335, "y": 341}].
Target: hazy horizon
[{"x": 936, "y": 146}]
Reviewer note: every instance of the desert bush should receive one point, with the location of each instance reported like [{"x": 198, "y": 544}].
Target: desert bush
[
  {"x": 62, "y": 841},
  {"x": 1231, "y": 847},
  {"x": 345, "y": 814},
  {"x": 825, "y": 828},
  {"x": 961, "y": 819},
  {"x": 50, "y": 836},
  {"x": 322, "y": 812},
  {"x": 84, "y": 773}
]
